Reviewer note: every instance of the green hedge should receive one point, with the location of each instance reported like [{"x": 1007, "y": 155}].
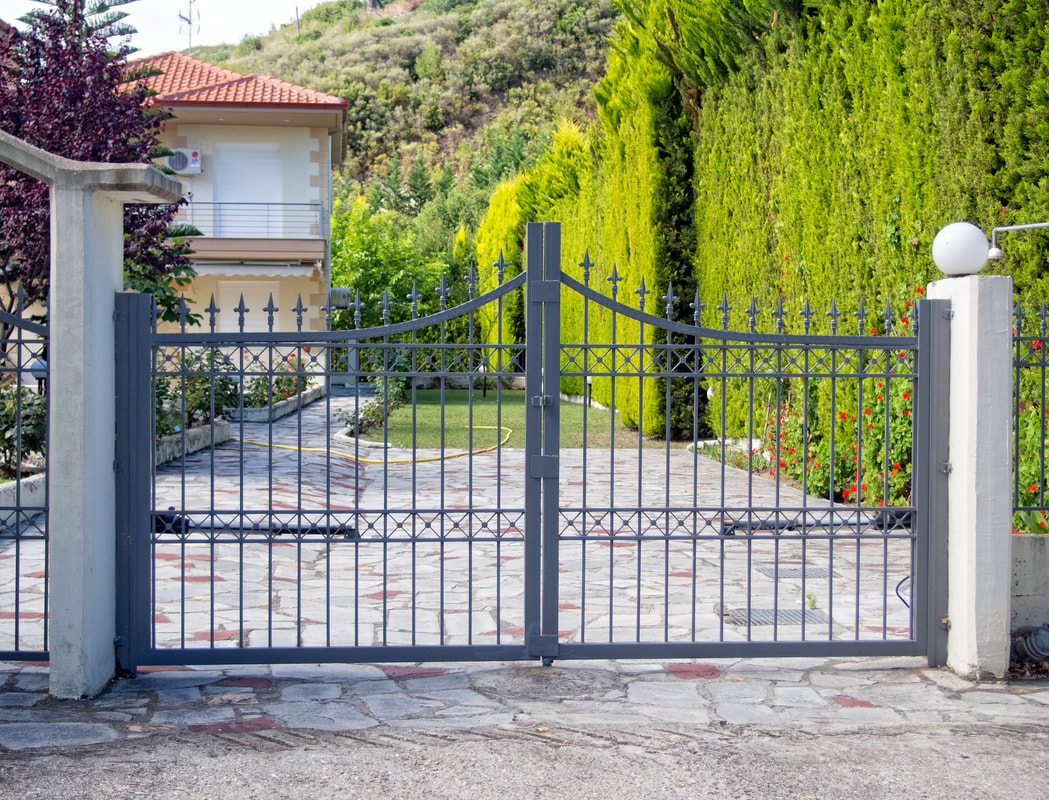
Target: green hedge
[{"x": 768, "y": 149}]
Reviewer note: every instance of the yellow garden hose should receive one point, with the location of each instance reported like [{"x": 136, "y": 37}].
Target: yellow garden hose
[{"x": 506, "y": 438}]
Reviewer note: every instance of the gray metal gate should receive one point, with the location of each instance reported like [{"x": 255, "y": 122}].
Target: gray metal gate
[
  {"x": 24, "y": 543},
  {"x": 448, "y": 533}
]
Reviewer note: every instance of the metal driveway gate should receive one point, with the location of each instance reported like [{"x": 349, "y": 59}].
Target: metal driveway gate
[
  {"x": 24, "y": 542},
  {"x": 488, "y": 518}
]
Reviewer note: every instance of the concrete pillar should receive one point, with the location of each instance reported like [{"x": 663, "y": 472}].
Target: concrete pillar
[
  {"x": 979, "y": 495},
  {"x": 87, "y": 255}
]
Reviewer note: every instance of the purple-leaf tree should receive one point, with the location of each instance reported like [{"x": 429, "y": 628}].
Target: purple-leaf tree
[{"x": 63, "y": 90}]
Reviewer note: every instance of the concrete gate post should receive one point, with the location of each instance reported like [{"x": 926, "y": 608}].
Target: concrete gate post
[
  {"x": 979, "y": 495},
  {"x": 87, "y": 229}
]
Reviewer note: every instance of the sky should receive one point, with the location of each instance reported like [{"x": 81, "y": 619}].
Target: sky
[{"x": 158, "y": 24}]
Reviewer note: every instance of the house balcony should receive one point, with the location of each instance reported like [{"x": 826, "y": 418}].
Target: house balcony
[{"x": 257, "y": 231}]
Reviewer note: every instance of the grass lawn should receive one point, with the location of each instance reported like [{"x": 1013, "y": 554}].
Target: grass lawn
[{"x": 426, "y": 420}]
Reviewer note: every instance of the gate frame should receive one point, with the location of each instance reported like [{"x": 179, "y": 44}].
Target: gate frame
[{"x": 542, "y": 284}]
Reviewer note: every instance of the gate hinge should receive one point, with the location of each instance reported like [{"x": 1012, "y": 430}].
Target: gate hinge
[
  {"x": 948, "y": 315},
  {"x": 545, "y": 646},
  {"x": 946, "y": 468},
  {"x": 544, "y": 292},
  {"x": 116, "y": 465},
  {"x": 945, "y": 624},
  {"x": 116, "y": 317},
  {"x": 540, "y": 400},
  {"x": 543, "y": 467}
]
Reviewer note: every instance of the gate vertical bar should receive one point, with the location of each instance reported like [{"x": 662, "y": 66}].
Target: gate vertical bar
[
  {"x": 134, "y": 441},
  {"x": 533, "y": 434},
  {"x": 551, "y": 422},
  {"x": 931, "y": 469}
]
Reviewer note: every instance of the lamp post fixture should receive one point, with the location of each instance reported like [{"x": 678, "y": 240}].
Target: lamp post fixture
[
  {"x": 995, "y": 253},
  {"x": 960, "y": 249},
  {"x": 38, "y": 369}
]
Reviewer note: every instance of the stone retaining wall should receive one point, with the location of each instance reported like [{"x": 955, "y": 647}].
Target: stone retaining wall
[{"x": 277, "y": 410}]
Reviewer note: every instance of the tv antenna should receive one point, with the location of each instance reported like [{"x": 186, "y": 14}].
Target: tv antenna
[{"x": 188, "y": 21}]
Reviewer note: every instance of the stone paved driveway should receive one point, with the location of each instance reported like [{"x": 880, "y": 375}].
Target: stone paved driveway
[{"x": 439, "y": 556}]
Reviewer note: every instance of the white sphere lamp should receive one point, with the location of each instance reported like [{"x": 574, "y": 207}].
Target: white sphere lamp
[{"x": 960, "y": 249}]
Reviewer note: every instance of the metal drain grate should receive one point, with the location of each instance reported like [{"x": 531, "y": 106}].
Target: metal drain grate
[
  {"x": 797, "y": 572},
  {"x": 767, "y": 616}
]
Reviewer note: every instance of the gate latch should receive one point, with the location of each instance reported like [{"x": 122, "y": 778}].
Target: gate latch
[
  {"x": 540, "y": 400},
  {"x": 946, "y": 468},
  {"x": 544, "y": 291},
  {"x": 543, "y": 467}
]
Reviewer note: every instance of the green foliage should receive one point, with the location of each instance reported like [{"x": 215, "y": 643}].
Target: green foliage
[
  {"x": 390, "y": 394},
  {"x": 289, "y": 380},
  {"x": 374, "y": 254},
  {"x": 193, "y": 388},
  {"x": 23, "y": 421}
]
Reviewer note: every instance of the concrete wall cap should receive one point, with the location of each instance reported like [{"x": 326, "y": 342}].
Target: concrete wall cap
[{"x": 130, "y": 183}]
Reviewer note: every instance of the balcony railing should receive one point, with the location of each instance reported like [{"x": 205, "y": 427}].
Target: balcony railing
[{"x": 256, "y": 220}]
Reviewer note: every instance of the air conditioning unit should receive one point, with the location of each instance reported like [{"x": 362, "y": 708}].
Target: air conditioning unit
[{"x": 183, "y": 161}]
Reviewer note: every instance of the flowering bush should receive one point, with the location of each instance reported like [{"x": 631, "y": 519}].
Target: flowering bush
[{"x": 871, "y": 459}]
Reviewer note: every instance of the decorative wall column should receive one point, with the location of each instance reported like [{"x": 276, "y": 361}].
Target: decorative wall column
[
  {"x": 980, "y": 497},
  {"x": 87, "y": 235}
]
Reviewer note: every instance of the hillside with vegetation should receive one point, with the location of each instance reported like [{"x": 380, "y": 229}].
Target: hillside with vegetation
[{"x": 447, "y": 99}]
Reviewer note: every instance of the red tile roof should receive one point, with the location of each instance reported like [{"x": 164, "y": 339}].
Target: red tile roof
[{"x": 189, "y": 81}]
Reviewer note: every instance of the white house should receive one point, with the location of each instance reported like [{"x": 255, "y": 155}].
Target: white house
[{"x": 255, "y": 156}]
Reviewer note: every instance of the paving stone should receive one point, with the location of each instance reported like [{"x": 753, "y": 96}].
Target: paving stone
[
  {"x": 796, "y": 697},
  {"x": 461, "y": 697},
  {"x": 948, "y": 680},
  {"x": 32, "y": 682},
  {"x": 316, "y": 715},
  {"x": 906, "y": 697},
  {"x": 992, "y": 698},
  {"x": 629, "y": 668},
  {"x": 160, "y": 681},
  {"x": 333, "y": 672},
  {"x": 396, "y": 705},
  {"x": 310, "y": 691},
  {"x": 178, "y": 697},
  {"x": 678, "y": 694},
  {"x": 837, "y": 680},
  {"x": 748, "y": 672},
  {"x": 436, "y": 683},
  {"x": 878, "y": 664},
  {"x": 367, "y": 688},
  {"x": 29, "y": 735},
  {"x": 19, "y": 699},
  {"x": 182, "y": 717},
  {"x": 804, "y": 664},
  {"x": 749, "y": 691}
]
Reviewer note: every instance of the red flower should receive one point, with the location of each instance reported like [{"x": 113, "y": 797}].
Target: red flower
[
  {"x": 1034, "y": 487},
  {"x": 919, "y": 290},
  {"x": 906, "y": 412},
  {"x": 906, "y": 395}
]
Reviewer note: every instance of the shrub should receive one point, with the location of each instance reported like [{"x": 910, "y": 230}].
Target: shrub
[
  {"x": 23, "y": 420},
  {"x": 192, "y": 388},
  {"x": 288, "y": 380}
]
